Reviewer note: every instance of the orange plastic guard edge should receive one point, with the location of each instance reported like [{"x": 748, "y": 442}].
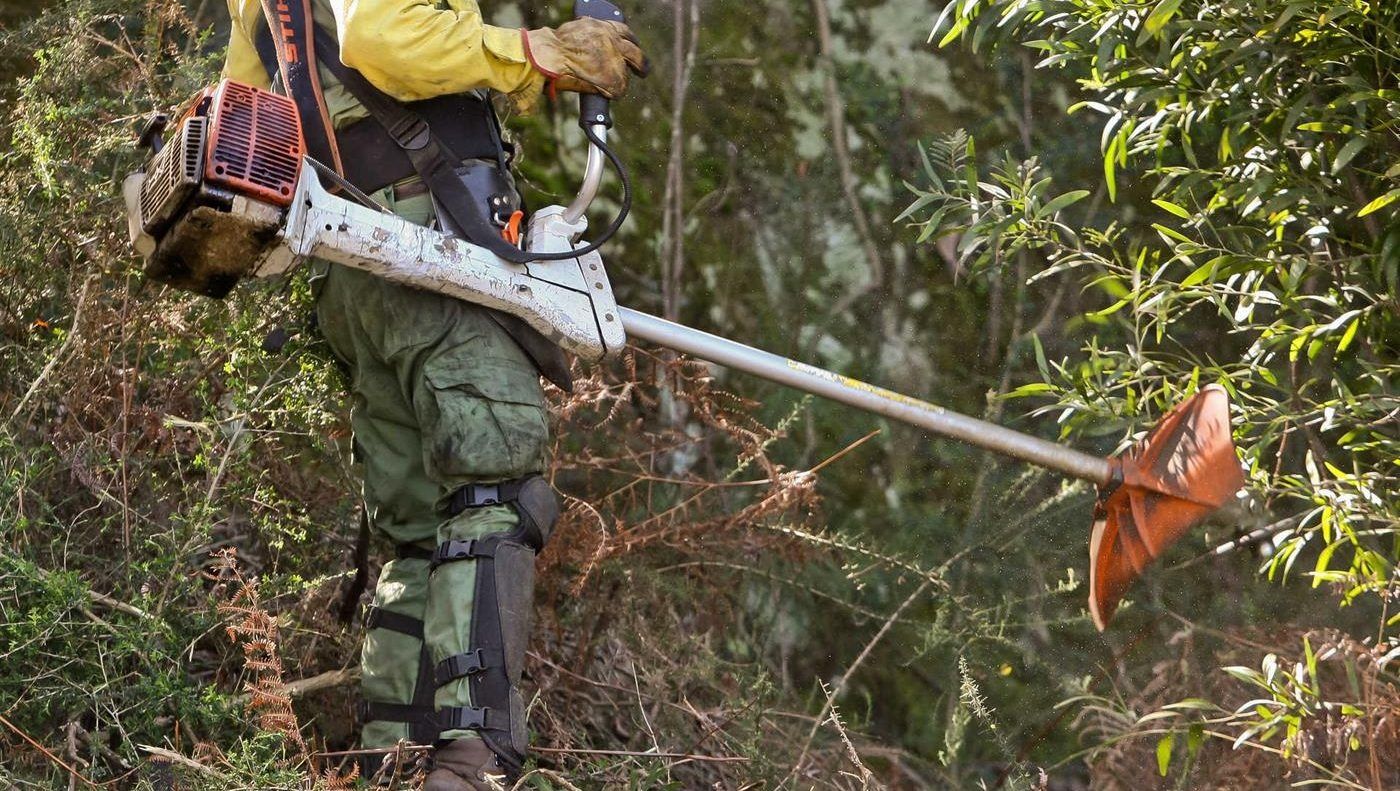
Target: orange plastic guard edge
[{"x": 1182, "y": 471}]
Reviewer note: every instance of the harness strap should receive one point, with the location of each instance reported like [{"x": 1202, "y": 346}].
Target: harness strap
[
  {"x": 434, "y": 163},
  {"x": 380, "y": 618},
  {"x": 470, "y": 129},
  {"x": 291, "y": 24}
]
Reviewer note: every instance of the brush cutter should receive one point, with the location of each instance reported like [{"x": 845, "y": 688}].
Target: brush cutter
[{"x": 232, "y": 195}]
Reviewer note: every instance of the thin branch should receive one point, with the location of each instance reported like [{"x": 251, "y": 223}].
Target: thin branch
[
  {"x": 840, "y": 685},
  {"x": 867, "y": 779},
  {"x": 836, "y": 119},
  {"x": 328, "y": 680},
  {"x": 120, "y": 606},
  {"x": 71, "y": 771},
  {"x": 161, "y": 754},
  {"x": 685, "y": 43}
]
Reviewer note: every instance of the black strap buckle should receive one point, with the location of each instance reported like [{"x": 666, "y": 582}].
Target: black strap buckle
[
  {"x": 478, "y": 495},
  {"x": 466, "y": 718},
  {"x": 483, "y": 495},
  {"x": 455, "y": 550},
  {"x": 458, "y": 666},
  {"x": 410, "y": 131}
]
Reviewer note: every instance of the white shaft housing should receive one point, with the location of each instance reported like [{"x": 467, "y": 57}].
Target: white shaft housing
[{"x": 569, "y": 301}]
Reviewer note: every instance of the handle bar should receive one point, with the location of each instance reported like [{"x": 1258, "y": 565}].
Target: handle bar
[
  {"x": 594, "y": 114},
  {"x": 592, "y": 179}
]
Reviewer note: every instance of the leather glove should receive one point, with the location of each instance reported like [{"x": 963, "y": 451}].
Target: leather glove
[{"x": 586, "y": 55}]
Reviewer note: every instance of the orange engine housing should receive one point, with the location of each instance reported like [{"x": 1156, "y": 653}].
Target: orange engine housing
[{"x": 254, "y": 145}]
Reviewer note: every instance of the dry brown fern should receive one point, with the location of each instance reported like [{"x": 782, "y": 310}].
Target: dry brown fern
[
  {"x": 255, "y": 629},
  {"x": 333, "y": 780}
]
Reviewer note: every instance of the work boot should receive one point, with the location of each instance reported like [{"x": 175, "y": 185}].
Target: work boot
[{"x": 464, "y": 765}]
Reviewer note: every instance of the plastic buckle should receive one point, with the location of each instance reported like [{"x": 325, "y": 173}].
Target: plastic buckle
[
  {"x": 412, "y": 133},
  {"x": 455, "y": 550},
  {"x": 485, "y": 495},
  {"x": 459, "y": 665},
  {"x": 464, "y": 718}
]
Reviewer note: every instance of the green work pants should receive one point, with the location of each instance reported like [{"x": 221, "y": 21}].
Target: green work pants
[{"x": 442, "y": 397}]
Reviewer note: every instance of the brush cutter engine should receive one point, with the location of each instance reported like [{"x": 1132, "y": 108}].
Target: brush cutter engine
[
  {"x": 212, "y": 198},
  {"x": 232, "y": 195}
]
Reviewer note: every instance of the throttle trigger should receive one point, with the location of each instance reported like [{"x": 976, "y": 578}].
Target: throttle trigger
[{"x": 511, "y": 231}]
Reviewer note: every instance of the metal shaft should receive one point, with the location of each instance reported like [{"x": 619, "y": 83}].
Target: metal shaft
[{"x": 878, "y": 400}]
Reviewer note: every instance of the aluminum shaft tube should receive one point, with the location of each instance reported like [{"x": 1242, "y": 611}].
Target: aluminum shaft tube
[{"x": 809, "y": 379}]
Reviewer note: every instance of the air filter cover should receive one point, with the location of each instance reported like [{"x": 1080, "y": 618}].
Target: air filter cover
[{"x": 255, "y": 143}]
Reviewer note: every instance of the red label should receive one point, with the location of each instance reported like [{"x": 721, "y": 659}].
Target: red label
[{"x": 289, "y": 45}]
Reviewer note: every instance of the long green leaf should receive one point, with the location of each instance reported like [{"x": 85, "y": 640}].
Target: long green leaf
[
  {"x": 1110, "y": 161},
  {"x": 1348, "y": 153},
  {"x": 1379, "y": 203},
  {"x": 1160, "y": 16},
  {"x": 1168, "y": 206},
  {"x": 1060, "y": 202}
]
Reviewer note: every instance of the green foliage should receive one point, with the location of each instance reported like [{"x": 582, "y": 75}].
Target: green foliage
[
  {"x": 124, "y": 458},
  {"x": 1268, "y": 263}
]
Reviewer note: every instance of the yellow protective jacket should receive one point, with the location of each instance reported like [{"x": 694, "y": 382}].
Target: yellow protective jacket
[{"x": 410, "y": 49}]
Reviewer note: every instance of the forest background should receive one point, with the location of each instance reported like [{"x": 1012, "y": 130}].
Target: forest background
[{"x": 747, "y": 590}]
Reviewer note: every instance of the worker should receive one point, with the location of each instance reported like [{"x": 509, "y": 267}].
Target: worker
[{"x": 448, "y": 411}]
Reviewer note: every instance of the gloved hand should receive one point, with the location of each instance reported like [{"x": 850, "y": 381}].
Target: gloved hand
[{"x": 586, "y": 56}]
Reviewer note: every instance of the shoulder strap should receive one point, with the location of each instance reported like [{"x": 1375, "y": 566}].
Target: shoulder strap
[
  {"x": 432, "y": 160},
  {"x": 290, "y": 26}
]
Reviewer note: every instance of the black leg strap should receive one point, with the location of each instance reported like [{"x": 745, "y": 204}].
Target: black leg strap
[
  {"x": 466, "y": 718},
  {"x": 468, "y": 664},
  {"x": 380, "y": 618},
  {"x": 457, "y": 550},
  {"x": 532, "y": 497},
  {"x": 373, "y": 710}
]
